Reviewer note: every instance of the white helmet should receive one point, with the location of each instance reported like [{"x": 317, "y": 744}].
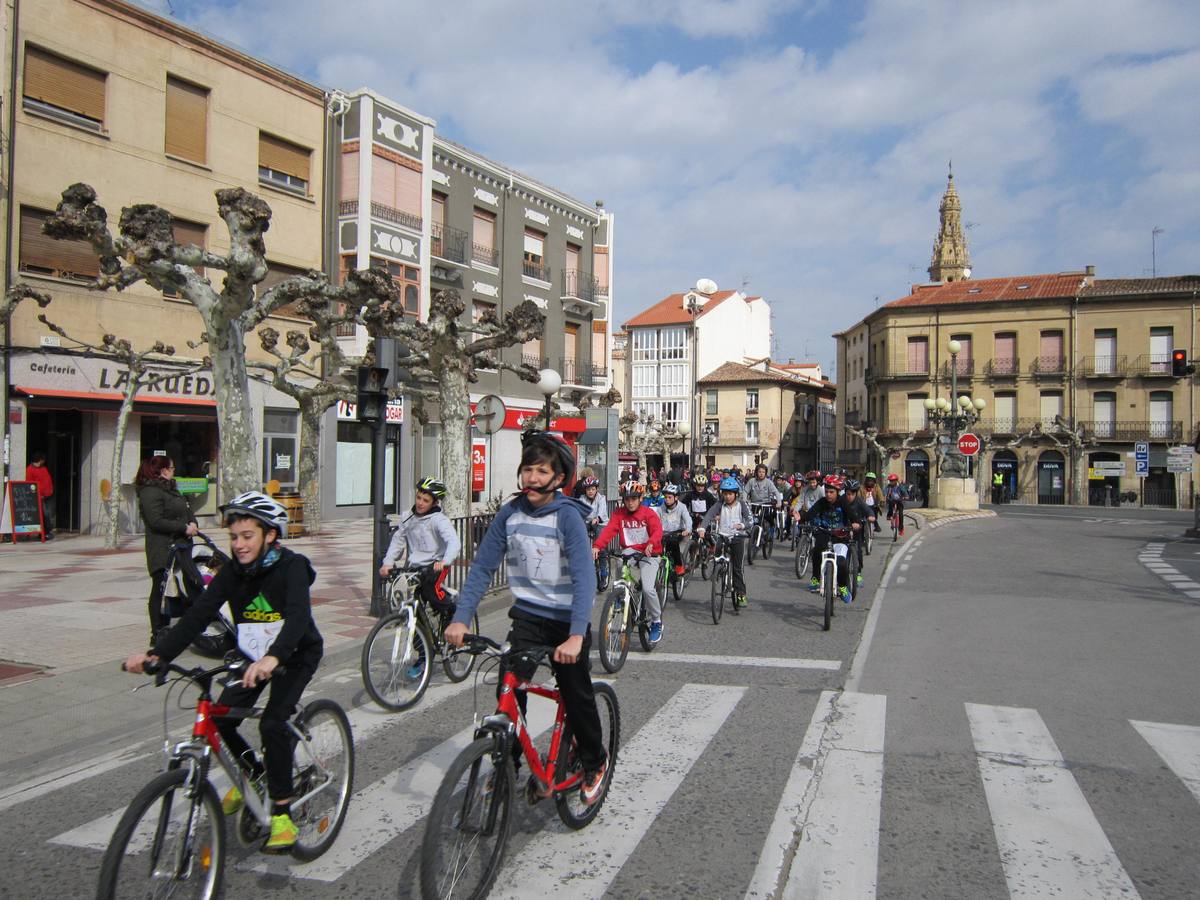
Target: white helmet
[{"x": 261, "y": 507}]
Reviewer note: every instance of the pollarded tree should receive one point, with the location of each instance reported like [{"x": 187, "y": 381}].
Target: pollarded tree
[
  {"x": 443, "y": 355},
  {"x": 144, "y": 249}
]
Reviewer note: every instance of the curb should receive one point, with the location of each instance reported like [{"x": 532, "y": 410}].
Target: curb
[{"x": 961, "y": 517}]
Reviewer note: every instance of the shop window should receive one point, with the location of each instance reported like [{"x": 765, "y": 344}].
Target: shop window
[
  {"x": 283, "y": 164},
  {"x": 63, "y": 89},
  {"x": 281, "y": 447},
  {"x": 431, "y": 450},
  {"x": 186, "y": 121},
  {"x": 41, "y": 254},
  {"x": 353, "y": 466}
]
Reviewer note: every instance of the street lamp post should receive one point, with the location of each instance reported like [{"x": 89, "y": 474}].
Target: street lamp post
[
  {"x": 684, "y": 429},
  {"x": 953, "y": 416},
  {"x": 549, "y": 382},
  {"x": 709, "y": 287}
]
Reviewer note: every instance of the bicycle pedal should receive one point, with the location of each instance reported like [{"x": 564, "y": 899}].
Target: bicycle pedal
[{"x": 535, "y": 791}]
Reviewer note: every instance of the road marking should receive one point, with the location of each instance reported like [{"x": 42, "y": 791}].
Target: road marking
[
  {"x": 67, "y": 776},
  {"x": 390, "y": 806},
  {"x": 1179, "y": 747},
  {"x": 904, "y": 565},
  {"x": 649, "y": 770},
  {"x": 1150, "y": 557},
  {"x": 1049, "y": 840},
  {"x": 1086, "y": 519},
  {"x": 859, "y": 662},
  {"x": 766, "y": 662},
  {"x": 900, "y": 579},
  {"x": 838, "y": 853}
]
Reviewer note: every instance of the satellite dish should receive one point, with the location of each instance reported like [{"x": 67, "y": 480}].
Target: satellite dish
[{"x": 706, "y": 286}]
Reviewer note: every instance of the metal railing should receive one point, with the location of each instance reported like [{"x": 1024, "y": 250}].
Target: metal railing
[
  {"x": 481, "y": 253},
  {"x": 963, "y": 368},
  {"x": 1153, "y": 365},
  {"x": 536, "y": 270},
  {"x": 1103, "y": 366},
  {"x": 395, "y": 216},
  {"x": 448, "y": 243},
  {"x": 1007, "y": 367},
  {"x": 1049, "y": 366},
  {"x": 575, "y": 371},
  {"x": 1114, "y": 430},
  {"x": 538, "y": 362},
  {"x": 348, "y": 208},
  {"x": 899, "y": 368},
  {"x": 579, "y": 284}
]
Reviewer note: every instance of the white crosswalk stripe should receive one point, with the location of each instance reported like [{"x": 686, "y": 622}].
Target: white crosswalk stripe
[{"x": 1179, "y": 747}]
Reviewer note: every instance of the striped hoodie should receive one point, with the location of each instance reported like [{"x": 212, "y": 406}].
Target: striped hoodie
[{"x": 550, "y": 568}]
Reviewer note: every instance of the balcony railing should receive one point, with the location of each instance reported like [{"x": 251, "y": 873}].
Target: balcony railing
[
  {"x": 963, "y": 368},
  {"x": 1103, "y": 366},
  {"x": 599, "y": 374},
  {"x": 1049, "y": 366},
  {"x": 898, "y": 369},
  {"x": 1153, "y": 365},
  {"x": 482, "y": 253},
  {"x": 1126, "y": 431},
  {"x": 535, "y": 270},
  {"x": 904, "y": 425},
  {"x": 580, "y": 285},
  {"x": 1006, "y": 367},
  {"x": 538, "y": 362},
  {"x": 851, "y": 457},
  {"x": 448, "y": 243},
  {"x": 348, "y": 208},
  {"x": 575, "y": 371},
  {"x": 383, "y": 212}
]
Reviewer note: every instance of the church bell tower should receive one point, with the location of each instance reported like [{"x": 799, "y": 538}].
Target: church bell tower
[{"x": 950, "y": 261}]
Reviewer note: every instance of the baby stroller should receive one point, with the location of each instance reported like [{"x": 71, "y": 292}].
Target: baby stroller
[{"x": 191, "y": 565}]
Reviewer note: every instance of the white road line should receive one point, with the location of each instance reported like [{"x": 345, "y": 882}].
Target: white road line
[
  {"x": 900, "y": 579},
  {"x": 766, "y": 662},
  {"x": 793, "y": 806},
  {"x": 1049, "y": 840},
  {"x": 67, "y": 776},
  {"x": 650, "y": 768},
  {"x": 390, "y": 806},
  {"x": 838, "y": 855},
  {"x": 1179, "y": 747}
]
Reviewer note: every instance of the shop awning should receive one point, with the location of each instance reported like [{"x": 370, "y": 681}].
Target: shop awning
[
  {"x": 50, "y": 398},
  {"x": 593, "y": 436}
]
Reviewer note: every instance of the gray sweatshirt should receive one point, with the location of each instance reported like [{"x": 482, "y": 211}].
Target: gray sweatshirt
[
  {"x": 429, "y": 538},
  {"x": 763, "y": 491},
  {"x": 677, "y": 519},
  {"x": 727, "y": 517}
]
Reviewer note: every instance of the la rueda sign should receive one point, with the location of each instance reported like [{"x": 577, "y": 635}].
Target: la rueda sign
[{"x": 968, "y": 444}]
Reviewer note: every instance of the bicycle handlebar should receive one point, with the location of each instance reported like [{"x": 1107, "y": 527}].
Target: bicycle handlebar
[
  {"x": 161, "y": 670},
  {"x": 479, "y": 644}
]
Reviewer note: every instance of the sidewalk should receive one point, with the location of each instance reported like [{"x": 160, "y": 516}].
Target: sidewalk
[{"x": 69, "y": 604}]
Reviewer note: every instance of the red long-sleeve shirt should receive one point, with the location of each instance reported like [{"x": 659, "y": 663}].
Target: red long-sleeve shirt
[
  {"x": 40, "y": 475},
  {"x": 640, "y": 530}
]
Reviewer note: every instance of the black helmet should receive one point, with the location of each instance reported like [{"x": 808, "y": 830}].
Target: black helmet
[
  {"x": 431, "y": 485},
  {"x": 852, "y": 484},
  {"x": 557, "y": 448}
]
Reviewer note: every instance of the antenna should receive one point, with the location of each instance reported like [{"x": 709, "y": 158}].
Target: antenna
[
  {"x": 1154, "y": 233},
  {"x": 745, "y": 282}
]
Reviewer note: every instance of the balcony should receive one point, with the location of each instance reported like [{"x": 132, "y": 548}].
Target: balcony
[
  {"x": 963, "y": 368},
  {"x": 576, "y": 371},
  {"x": 448, "y": 243},
  {"x": 538, "y": 362},
  {"x": 898, "y": 369},
  {"x": 903, "y": 425},
  {"x": 1104, "y": 366},
  {"x": 1127, "y": 432},
  {"x": 1153, "y": 365},
  {"x": 383, "y": 213},
  {"x": 1049, "y": 367},
  {"x": 579, "y": 285},
  {"x": 1007, "y": 367},
  {"x": 488, "y": 256},
  {"x": 535, "y": 270}
]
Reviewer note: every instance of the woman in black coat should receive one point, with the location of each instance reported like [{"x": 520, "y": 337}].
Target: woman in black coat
[{"x": 168, "y": 517}]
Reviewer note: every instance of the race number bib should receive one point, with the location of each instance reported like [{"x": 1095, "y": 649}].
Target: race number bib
[
  {"x": 255, "y": 638},
  {"x": 634, "y": 533},
  {"x": 538, "y": 558},
  {"x": 699, "y": 506},
  {"x": 870, "y": 499}
]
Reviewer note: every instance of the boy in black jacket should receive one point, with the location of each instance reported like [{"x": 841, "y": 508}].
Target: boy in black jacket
[
  {"x": 266, "y": 586},
  {"x": 834, "y": 513}
]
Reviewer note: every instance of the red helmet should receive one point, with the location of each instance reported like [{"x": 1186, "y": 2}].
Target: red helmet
[
  {"x": 834, "y": 481},
  {"x": 893, "y": 477},
  {"x": 813, "y": 474}
]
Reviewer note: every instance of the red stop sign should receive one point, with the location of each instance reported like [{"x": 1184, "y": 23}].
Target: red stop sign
[{"x": 968, "y": 444}]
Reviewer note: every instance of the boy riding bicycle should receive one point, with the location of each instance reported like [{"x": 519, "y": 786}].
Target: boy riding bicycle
[
  {"x": 732, "y": 520},
  {"x": 640, "y": 529},
  {"x": 834, "y": 514},
  {"x": 895, "y": 494},
  {"x": 266, "y": 587},
  {"x": 431, "y": 542},
  {"x": 676, "y": 526},
  {"x": 542, "y": 534}
]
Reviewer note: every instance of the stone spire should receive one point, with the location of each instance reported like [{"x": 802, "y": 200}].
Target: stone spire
[{"x": 950, "y": 262}]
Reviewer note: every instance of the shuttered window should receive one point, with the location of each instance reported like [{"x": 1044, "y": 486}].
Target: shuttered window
[
  {"x": 349, "y": 176},
  {"x": 397, "y": 187},
  {"x": 277, "y": 272},
  {"x": 41, "y": 254},
  {"x": 283, "y": 163},
  {"x": 64, "y": 85},
  {"x": 185, "y": 233},
  {"x": 187, "y": 121}
]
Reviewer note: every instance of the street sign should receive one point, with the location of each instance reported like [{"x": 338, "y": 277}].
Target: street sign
[
  {"x": 1141, "y": 448},
  {"x": 489, "y": 414},
  {"x": 1179, "y": 459},
  {"x": 968, "y": 444},
  {"x": 1141, "y": 459}
]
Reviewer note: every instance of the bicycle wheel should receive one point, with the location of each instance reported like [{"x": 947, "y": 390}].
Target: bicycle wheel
[
  {"x": 830, "y": 590},
  {"x": 395, "y": 678},
  {"x": 468, "y": 824},
  {"x": 323, "y": 760},
  {"x": 705, "y": 562},
  {"x": 803, "y": 556},
  {"x": 614, "y": 633},
  {"x": 572, "y": 809},
  {"x": 717, "y": 592},
  {"x": 458, "y": 665},
  {"x": 602, "y": 574},
  {"x": 752, "y": 544},
  {"x": 643, "y": 623},
  {"x": 167, "y": 844},
  {"x": 895, "y": 522},
  {"x": 869, "y": 537},
  {"x": 679, "y": 584},
  {"x": 852, "y": 568}
]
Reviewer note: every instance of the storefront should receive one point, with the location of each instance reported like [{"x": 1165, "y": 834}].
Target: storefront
[
  {"x": 1004, "y": 464},
  {"x": 1105, "y": 469},
  {"x": 1051, "y": 478},
  {"x": 353, "y": 458},
  {"x": 916, "y": 473}
]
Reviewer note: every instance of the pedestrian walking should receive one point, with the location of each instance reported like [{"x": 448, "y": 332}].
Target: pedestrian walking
[
  {"x": 167, "y": 517},
  {"x": 37, "y": 472}
]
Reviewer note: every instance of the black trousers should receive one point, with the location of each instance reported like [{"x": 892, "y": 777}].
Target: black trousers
[
  {"x": 157, "y": 619},
  {"x": 574, "y": 682},
  {"x": 286, "y": 688},
  {"x": 737, "y": 558},
  {"x": 821, "y": 541}
]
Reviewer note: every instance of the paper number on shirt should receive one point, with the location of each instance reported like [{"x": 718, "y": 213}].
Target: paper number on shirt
[
  {"x": 256, "y": 638},
  {"x": 539, "y": 558},
  {"x": 870, "y": 500},
  {"x": 635, "y": 533},
  {"x": 699, "y": 506}
]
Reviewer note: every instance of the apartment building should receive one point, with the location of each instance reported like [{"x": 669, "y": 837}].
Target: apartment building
[
  {"x": 1075, "y": 373},
  {"x": 762, "y": 412},
  {"x": 144, "y": 110}
]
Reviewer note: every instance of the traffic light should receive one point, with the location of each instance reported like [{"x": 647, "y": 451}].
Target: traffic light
[
  {"x": 1179, "y": 364},
  {"x": 372, "y": 393}
]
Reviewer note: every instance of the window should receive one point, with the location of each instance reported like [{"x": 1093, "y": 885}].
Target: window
[
  {"x": 710, "y": 403},
  {"x": 673, "y": 412},
  {"x": 283, "y": 164},
  {"x": 1004, "y": 408},
  {"x": 1104, "y": 414},
  {"x": 645, "y": 382},
  {"x": 280, "y": 459},
  {"x": 1051, "y": 408},
  {"x": 673, "y": 343},
  {"x": 600, "y": 267},
  {"x": 186, "y": 233},
  {"x": 965, "y": 364},
  {"x": 570, "y": 343},
  {"x": 712, "y": 431},
  {"x": 431, "y": 450},
  {"x": 751, "y": 400},
  {"x": 438, "y": 211},
  {"x": 64, "y": 89},
  {"x": 673, "y": 379},
  {"x": 483, "y": 249},
  {"x": 43, "y": 255},
  {"x": 600, "y": 348},
  {"x": 277, "y": 272},
  {"x": 1105, "y": 361},
  {"x": 1162, "y": 341},
  {"x": 186, "y": 121},
  {"x": 645, "y": 344},
  {"x": 1004, "y": 358},
  {"x": 1050, "y": 352},
  {"x": 918, "y": 416},
  {"x": 531, "y": 353},
  {"x": 752, "y": 430},
  {"x": 407, "y": 278},
  {"x": 918, "y": 356},
  {"x": 349, "y": 191},
  {"x": 534, "y": 259},
  {"x": 572, "y": 261},
  {"x": 1161, "y": 414},
  {"x": 395, "y": 192}
]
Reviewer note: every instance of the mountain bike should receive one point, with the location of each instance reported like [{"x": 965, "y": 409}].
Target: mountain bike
[
  {"x": 602, "y": 567},
  {"x": 469, "y": 822},
  {"x": 624, "y": 609},
  {"x": 896, "y": 520},
  {"x": 396, "y": 656},
  {"x": 668, "y": 577},
  {"x": 828, "y": 571},
  {"x": 699, "y": 556},
  {"x": 171, "y": 839},
  {"x": 721, "y": 583},
  {"x": 804, "y": 545},
  {"x": 761, "y": 533},
  {"x": 868, "y": 535}
]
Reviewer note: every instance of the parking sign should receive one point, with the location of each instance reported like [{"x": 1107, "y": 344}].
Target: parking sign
[{"x": 1141, "y": 459}]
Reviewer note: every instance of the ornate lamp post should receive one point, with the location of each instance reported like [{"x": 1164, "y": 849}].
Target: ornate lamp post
[
  {"x": 548, "y": 383},
  {"x": 953, "y": 416},
  {"x": 683, "y": 429}
]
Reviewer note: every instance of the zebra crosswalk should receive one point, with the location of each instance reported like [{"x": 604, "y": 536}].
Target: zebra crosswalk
[{"x": 823, "y": 837}]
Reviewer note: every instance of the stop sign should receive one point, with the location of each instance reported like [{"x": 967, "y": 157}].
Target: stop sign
[{"x": 968, "y": 444}]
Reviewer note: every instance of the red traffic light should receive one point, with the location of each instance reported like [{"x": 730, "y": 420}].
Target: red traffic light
[{"x": 1179, "y": 363}]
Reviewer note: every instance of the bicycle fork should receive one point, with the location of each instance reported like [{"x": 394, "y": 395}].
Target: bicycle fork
[{"x": 406, "y": 640}]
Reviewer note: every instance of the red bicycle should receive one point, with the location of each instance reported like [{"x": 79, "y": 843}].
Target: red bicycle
[{"x": 469, "y": 823}]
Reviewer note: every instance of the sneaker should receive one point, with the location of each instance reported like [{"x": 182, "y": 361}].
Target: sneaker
[
  {"x": 414, "y": 672},
  {"x": 814, "y": 585},
  {"x": 656, "y": 632},
  {"x": 679, "y": 570},
  {"x": 741, "y": 601},
  {"x": 283, "y": 834},
  {"x": 593, "y": 783},
  {"x": 858, "y": 578},
  {"x": 844, "y": 593},
  {"x": 232, "y": 802}
]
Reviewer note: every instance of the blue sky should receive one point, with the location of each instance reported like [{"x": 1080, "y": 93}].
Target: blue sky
[{"x": 799, "y": 145}]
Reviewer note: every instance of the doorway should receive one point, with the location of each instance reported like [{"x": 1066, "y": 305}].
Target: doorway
[
  {"x": 1051, "y": 469},
  {"x": 58, "y": 433}
]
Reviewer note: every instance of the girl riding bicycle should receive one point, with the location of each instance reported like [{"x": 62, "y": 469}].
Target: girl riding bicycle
[
  {"x": 640, "y": 529},
  {"x": 431, "y": 541},
  {"x": 733, "y": 521},
  {"x": 266, "y": 587}
]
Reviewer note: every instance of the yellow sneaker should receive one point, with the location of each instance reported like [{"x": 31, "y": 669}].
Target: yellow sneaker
[
  {"x": 283, "y": 834},
  {"x": 232, "y": 802}
]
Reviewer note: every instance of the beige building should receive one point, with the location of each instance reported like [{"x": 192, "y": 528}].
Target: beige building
[
  {"x": 143, "y": 110},
  {"x": 762, "y": 412},
  {"x": 1075, "y": 373}
]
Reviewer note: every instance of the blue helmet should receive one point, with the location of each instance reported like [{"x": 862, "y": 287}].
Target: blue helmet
[{"x": 729, "y": 483}]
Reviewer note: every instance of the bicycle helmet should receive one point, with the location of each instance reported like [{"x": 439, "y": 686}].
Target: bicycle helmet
[
  {"x": 814, "y": 474},
  {"x": 431, "y": 485},
  {"x": 591, "y": 481},
  {"x": 700, "y": 480},
  {"x": 259, "y": 506},
  {"x": 729, "y": 483},
  {"x": 632, "y": 489},
  {"x": 672, "y": 490},
  {"x": 556, "y": 447},
  {"x": 852, "y": 484},
  {"x": 871, "y": 476},
  {"x": 893, "y": 478},
  {"x": 716, "y": 478},
  {"x": 834, "y": 481},
  {"x": 655, "y": 484}
]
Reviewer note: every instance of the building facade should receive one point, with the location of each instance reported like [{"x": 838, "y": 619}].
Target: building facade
[{"x": 143, "y": 110}]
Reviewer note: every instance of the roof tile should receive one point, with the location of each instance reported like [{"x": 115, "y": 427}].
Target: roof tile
[
  {"x": 671, "y": 311},
  {"x": 991, "y": 290}
]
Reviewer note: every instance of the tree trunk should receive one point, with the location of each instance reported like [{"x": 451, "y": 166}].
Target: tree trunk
[
  {"x": 112, "y": 508},
  {"x": 311, "y": 409},
  {"x": 456, "y": 441},
  {"x": 238, "y": 470}
]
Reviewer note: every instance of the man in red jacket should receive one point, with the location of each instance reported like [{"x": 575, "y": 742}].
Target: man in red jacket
[
  {"x": 640, "y": 530},
  {"x": 37, "y": 472}
]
